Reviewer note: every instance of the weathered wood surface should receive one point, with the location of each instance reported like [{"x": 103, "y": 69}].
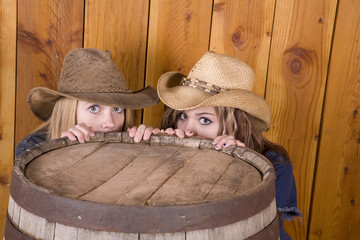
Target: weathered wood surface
[
  {"x": 159, "y": 177},
  {"x": 179, "y": 33},
  {"x": 235, "y": 30},
  {"x": 121, "y": 27},
  {"x": 135, "y": 174},
  {"x": 335, "y": 209},
  {"x": 295, "y": 88},
  {"x": 7, "y": 100},
  {"x": 273, "y": 38},
  {"x": 47, "y": 30}
]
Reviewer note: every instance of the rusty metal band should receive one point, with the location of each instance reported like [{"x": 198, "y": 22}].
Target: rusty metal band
[
  {"x": 12, "y": 233},
  {"x": 138, "y": 219}
]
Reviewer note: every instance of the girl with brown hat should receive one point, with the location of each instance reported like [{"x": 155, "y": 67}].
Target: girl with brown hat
[
  {"x": 216, "y": 101},
  {"x": 92, "y": 97}
]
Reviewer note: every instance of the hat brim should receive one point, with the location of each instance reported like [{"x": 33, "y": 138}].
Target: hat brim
[
  {"x": 42, "y": 100},
  {"x": 185, "y": 98}
]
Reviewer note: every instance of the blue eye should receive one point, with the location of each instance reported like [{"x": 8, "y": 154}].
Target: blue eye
[
  {"x": 117, "y": 109},
  {"x": 205, "y": 121},
  {"x": 94, "y": 109},
  {"x": 182, "y": 116}
]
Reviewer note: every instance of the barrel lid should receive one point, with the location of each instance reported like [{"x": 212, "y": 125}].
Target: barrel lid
[{"x": 166, "y": 183}]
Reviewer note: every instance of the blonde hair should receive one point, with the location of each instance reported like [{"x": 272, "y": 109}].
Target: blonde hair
[
  {"x": 63, "y": 117},
  {"x": 233, "y": 122}
]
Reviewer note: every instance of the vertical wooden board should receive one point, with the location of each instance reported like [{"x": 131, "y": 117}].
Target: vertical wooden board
[
  {"x": 243, "y": 29},
  {"x": 121, "y": 27},
  {"x": 179, "y": 33},
  {"x": 163, "y": 236},
  {"x": 7, "y": 101},
  {"x": 47, "y": 30},
  {"x": 335, "y": 209},
  {"x": 295, "y": 87},
  {"x": 64, "y": 232},
  {"x": 100, "y": 235}
]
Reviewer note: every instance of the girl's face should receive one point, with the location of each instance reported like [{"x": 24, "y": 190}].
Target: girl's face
[
  {"x": 201, "y": 121},
  {"x": 100, "y": 117}
]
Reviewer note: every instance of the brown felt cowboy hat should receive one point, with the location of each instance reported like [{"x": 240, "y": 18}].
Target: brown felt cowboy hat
[
  {"x": 215, "y": 80},
  {"x": 90, "y": 75}
]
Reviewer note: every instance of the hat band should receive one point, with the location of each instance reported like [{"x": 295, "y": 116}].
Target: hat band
[
  {"x": 201, "y": 85},
  {"x": 99, "y": 90}
]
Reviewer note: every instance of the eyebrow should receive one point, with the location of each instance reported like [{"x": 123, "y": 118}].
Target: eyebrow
[{"x": 205, "y": 113}]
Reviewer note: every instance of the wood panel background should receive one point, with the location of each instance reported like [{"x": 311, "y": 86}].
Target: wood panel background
[{"x": 305, "y": 53}]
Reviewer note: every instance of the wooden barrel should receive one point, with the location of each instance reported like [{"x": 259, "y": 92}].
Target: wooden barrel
[{"x": 164, "y": 188}]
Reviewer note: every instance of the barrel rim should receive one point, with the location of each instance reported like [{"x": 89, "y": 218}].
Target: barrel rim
[{"x": 150, "y": 218}]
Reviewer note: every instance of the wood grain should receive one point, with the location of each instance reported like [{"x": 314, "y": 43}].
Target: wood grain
[
  {"x": 243, "y": 29},
  {"x": 121, "y": 27},
  {"x": 335, "y": 208},
  {"x": 179, "y": 33},
  {"x": 7, "y": 100},
  {"x": 47, "y": 30},
  {"x": 295, "y": 88},
  {"x": 134, "y": 174},
  {"x": 287, "y": 43}
]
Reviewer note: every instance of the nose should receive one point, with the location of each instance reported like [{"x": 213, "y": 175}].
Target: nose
[
  {"x": 108, "y": 120},
  {"x": 190, "y": 128}
]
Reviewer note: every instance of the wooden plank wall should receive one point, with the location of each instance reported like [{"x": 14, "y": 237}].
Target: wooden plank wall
[
  {"x": 305, "y": 53},
  {"x": 7, "y": 100}
]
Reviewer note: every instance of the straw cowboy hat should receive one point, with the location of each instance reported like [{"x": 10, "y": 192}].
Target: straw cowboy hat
[
  {"x": 90, "y": 75},
  {"x": 215, "y": 80}
]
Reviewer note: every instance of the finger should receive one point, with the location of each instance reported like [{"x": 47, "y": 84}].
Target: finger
[
  {"x": 223, "y": 141},
  {"x": 180, "y": 133},
  {"x": 170, "y": 131},
  {"x": 147, "y": 133},
  {"x": 82, "y": 132},
  {"x": 220, "y": 140},
  {"x": 139, "y": 133},
  {"x": 229, "y": 143},
  {"x": 156, "y": 131},
  {"x": 69, "y": 135},
  {"x": 79, "y": 135},
  {"x": 239, "y": 143},
  {"x": 189, "y": 133},
  {"x": 132, "y": 131},
  {"x": 216, "y": 139}
]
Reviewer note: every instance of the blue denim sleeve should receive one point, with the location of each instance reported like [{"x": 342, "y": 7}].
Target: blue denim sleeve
[
  {"x": 30, "y": 141},
  {"x": 285, "y": 191}
]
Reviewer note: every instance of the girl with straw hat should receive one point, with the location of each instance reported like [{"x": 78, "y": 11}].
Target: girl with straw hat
[
  {"x": 92, "y": 97},
  {"x": 216, "y": 101}
]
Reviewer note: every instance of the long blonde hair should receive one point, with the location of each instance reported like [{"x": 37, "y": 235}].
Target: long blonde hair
[
  {"x": 233, "y": 122},
  {"x": 63, "y": 118}
]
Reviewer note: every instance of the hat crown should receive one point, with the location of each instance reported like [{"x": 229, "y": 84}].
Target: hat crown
[
  {"x": 90, "y": 70},
  {"x": 223, "y": 71}
]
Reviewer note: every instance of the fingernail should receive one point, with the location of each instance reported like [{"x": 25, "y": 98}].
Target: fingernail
[
  {"x": 224, "y": 144},
  {"x": 217, "y": 147}
]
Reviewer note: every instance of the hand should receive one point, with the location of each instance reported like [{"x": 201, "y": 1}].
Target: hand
[
  {"x": 225, "y": 141},
  {"x": 80, "y": 131},
  {"x": 178, "y": 132},
  {"x": 142, "y": 132}
]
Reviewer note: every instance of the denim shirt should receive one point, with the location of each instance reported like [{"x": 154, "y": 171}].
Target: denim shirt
[
  {"x": 30, "y": 141},
  {"x": 285, "y": 190}
]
